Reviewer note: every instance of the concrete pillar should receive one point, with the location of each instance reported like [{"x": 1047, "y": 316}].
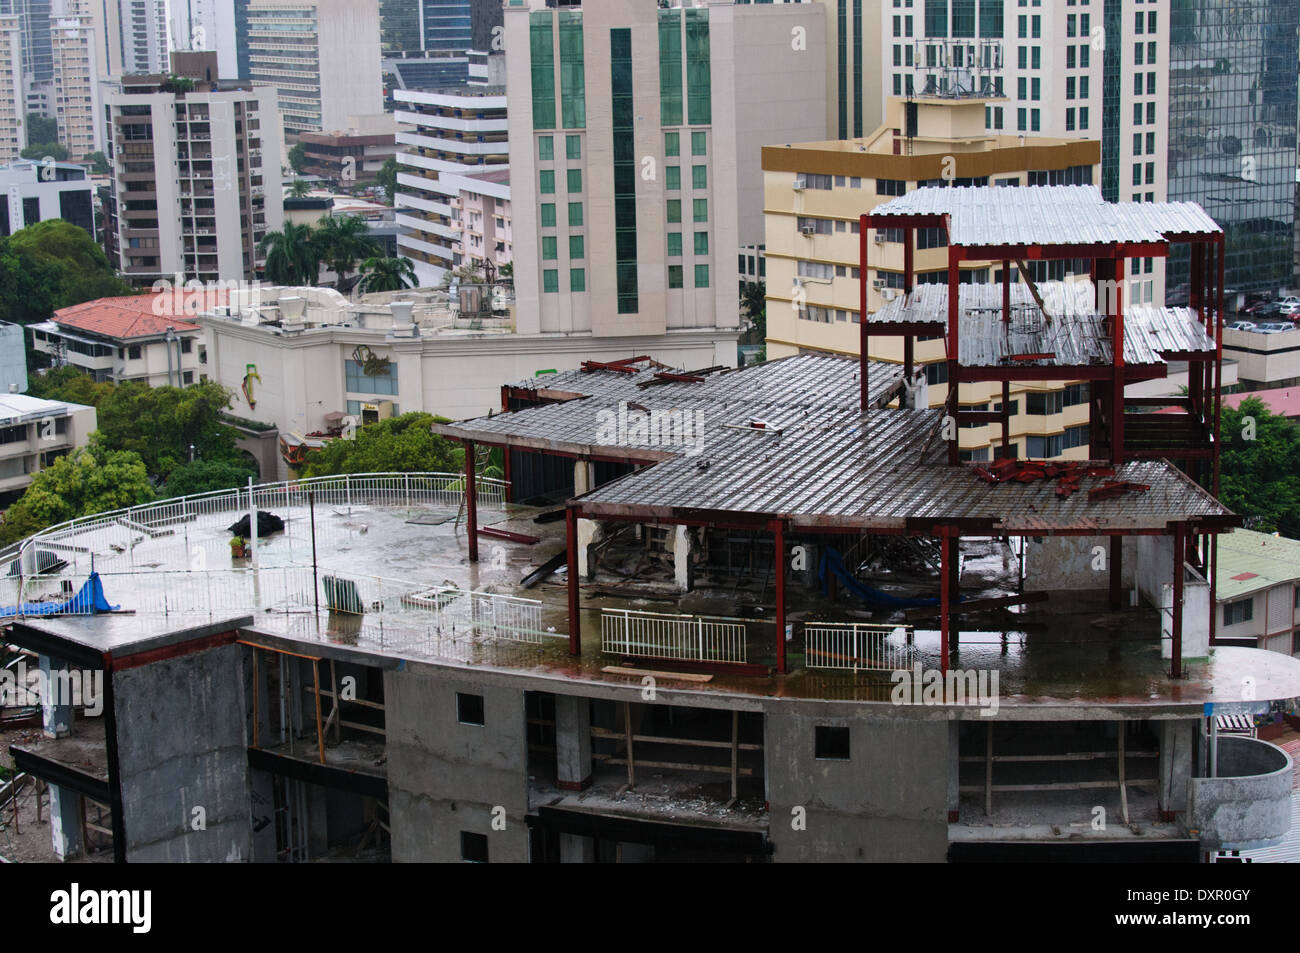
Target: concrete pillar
[
  {"x": 582, "y": 482},
  {"x": 317, "y": 821},
  {"x": 572, "y": 742},
  {"x": 1177, "y": 743},
  {"x": 588, "y": 533},
  {"x": 576, "y": 849},
  {"x": 65, "y": 822},
  {"x": 56, "y": 697},
  {"x": 683, "y": 568}
]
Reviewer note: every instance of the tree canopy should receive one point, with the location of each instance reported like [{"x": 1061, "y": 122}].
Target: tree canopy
[
  {"x": 69, "y": 384},
  {"x": 204, "y": 476},
  {"x": 398, "y": 445},
  {"x": 1261, "y": 468},
  {"x": 52, "y": 265},
  {"x": 85, "y": 482}
]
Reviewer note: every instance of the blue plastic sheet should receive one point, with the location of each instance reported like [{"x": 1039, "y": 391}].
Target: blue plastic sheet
[{"x": 89, "y": 600}]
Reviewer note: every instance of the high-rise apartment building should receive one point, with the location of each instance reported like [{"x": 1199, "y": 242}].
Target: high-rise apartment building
[
  {"x": 445, "y": 138},
  {"x": 132, "y": 36},
  {"x": 219, "y": 25},
  {"x": 636, "y": 124},
  {"x": 34, "y": 23},
  {"x": 76, "y": 57},
  {"x": 1232, "y": 131},
  {"x": 13, "y": 120},
  {"x": 322, "y": 56},
  {"x": 191, "y": 171}
]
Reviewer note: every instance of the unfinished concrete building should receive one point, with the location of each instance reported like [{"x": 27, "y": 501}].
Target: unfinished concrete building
[{"x": 708, "y": 614}]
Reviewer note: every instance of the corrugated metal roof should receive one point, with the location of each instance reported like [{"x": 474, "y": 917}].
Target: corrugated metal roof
[
  {"x": 1072, "y": 330},
  {"x": 1269, "y": 559},
  {"x": 1047, "y": 215}
]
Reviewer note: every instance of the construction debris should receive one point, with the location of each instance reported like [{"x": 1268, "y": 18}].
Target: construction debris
[{"x": 1067, "y": 476}]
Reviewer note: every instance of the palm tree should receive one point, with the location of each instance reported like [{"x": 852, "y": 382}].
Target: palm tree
[
  {"x": 299, "y": 189},
  {"x": 291, "y": 256},
  {"x": 387, "y": 274},
  {"x": 341, "y": 241}
]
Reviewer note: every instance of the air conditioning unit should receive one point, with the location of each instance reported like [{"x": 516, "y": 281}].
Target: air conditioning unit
[
  {"x": 888, "y": 294},
  {"x": 800, "y": 183},
  {"x": 877, "y": 283},
  {"x": 808, "y": 230},
  {"x": 880, "y": 239}
]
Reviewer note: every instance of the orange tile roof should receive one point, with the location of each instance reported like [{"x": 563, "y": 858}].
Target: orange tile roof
[{"x": 132, "y": 316}]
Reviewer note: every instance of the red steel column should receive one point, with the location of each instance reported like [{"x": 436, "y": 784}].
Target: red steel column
[
  {"x": 909, "y": 260},
  {"x": 1116, "y": 571},
  {"x": 1176, "y": 623},
  {"x": 864, "y": 224},
  {"x": 571, "y": 549},
  {"x": 945, "y": 597},
  {"x": 1117, "y": 390},
  {"x": 1210, "y": 572},
  {"x": 1006, "y": 290},
  {"x": 778, "y": 565},
  {"x": 471, "y": 501},
  {"x": 1006, "y": 418},
  {"x": 954, "y": 355}
]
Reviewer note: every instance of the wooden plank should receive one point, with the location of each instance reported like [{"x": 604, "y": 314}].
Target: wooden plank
[
  {"x": 1074, "y": 756},
  {"x": 1059, "y": 786},
  {"x": 681, "y": 676},
  {"x": 976, "y": 605},
  {"x": 676, "y": 766}
]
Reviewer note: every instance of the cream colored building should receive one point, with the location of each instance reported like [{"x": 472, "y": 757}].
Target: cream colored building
[
  {"x": 815, "y": 195},
  {"x": 13, "y": 120},
  {"x": 77, "y": 65},
  {"x": 321, "y": 55},
  {"x": 34, "y": 433}
]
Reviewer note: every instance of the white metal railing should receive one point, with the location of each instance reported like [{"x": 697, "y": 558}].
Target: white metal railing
[
  {"x": 659, "y": 635},
  {"x": 858, "y": 646}
]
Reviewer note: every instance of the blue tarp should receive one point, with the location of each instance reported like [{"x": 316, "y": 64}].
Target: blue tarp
[
  {"x": 86, "y": 602},
  {"x": 832, "y": 562}
]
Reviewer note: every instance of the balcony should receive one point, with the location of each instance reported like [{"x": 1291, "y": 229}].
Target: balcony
[{"x": 1248, "y": 804}]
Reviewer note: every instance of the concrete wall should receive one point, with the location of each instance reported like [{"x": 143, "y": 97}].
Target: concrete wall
[
  {"x": 181, "y": 746},
  {"x": 445, "y": 777},
  {"x": 889, "y": 802},
  {"x": 1249, "y": 804},
  {"x": 1067, "y": 562}
]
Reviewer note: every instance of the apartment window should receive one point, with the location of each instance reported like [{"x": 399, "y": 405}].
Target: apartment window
[
  {"x": 1033, "y": 120},
  {"x": 672, "y": 143},
  {"x": 674, "y": 244},
  {"x": 937, "y": 373},
  {"x": 674, "y": 210},
  {"x": 701, "y": 210},
  {"x": 625, "y": 171},
  {"x": 134, "y": 352},
  {"x": 1069, "y": 87},
  {"x": 1042, "y": 403},
  {"x": 1083, "y": 117},
  {"x": 1022, "y": 57},
  {"x": 701, "y": 243},
  {"x": 546, "y": 148},
  {"x": 469, "y": 709},
  {"x": 548, "y": 215},
  {"x": 1040, "y": 448},
  {"x": 473, "y": 848},
  {"x": 1069, "y": 120},
  {"x": 575, "y": 181},
  {"x": 542, "y": 57},
  {"x": 547, "y": 181},
  {"x": 1075, "y": 437},
  {"x": 573, "y": 147},
  {"x": 699, "y": 143},
  {"x": 891, "y": 187},
  {"x": 1036, "y": 57},
  {"x": 1020, "y": 120},
  {"x": 1242, "y": 610},
  {"x": 577, "y": 247},
  {"x": 1139, "y": 22},
  {"x": 549, "y": 248},
  {"x": 699, "y": 177},
  {"x": 675, "y": 278},
  {"x": 673, "y": 178},
  {"x": 1069, "y": 57},
  {"x": 1036, "y": 88},
  {"x": 1075, "y": 394},
  {"x": 550, "y": 281},
  {"x": 1084, "y": 56},
  {"x": 701, "y": 276},
  {"x": 831, "y": 743},
  {"x": 575, "y": 215},
  {"x": 577, "y": 279}
]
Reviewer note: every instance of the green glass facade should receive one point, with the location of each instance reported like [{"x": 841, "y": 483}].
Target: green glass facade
[
  {"x": 542, "y": 57},
  {"x": 670, "y": 67},
  {"x": 625, "y": 170},
  {"x": 699, "y": 76},
  {"x": 573, "y": 72}
]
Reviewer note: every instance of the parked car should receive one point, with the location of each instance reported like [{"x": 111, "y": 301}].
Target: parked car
[
  {"x": 1241, "y": 326},
  {"x": 1275, "y": 327},
  {"x": 1267, "y": 309},
  {"x": 1290, "y": 309}
]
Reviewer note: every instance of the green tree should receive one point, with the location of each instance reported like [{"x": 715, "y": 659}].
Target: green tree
[
  {"x": 161, "y": 423},
  {"x": 42, "y": 129},
  {"x": 1261, "y": 468},
  {"x": 398, "y": 445},
  {"x": 386, "y": 274},
  {"x": 204, "y": 476},
  {"x": 70, "y": 384},
  {"x": 299, "y": 188},
  {"x": 292, "y": 258},
  {"x": 298, "y": 158},
  {"x": 341, "y": 241},
  {"x": 55, "y": 150},
  {"x": 98, "y": 162},
  {"x": 753, "y": 299},
  {"x": 386, "y": 178},
  {"x": 85, "y": 482}
]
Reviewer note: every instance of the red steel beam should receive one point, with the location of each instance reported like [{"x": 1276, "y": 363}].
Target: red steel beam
[
  {"x": 1117, "y": 387},
  {"x": 778, "y": 532},
  {"x": 471, "y": 501}
]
